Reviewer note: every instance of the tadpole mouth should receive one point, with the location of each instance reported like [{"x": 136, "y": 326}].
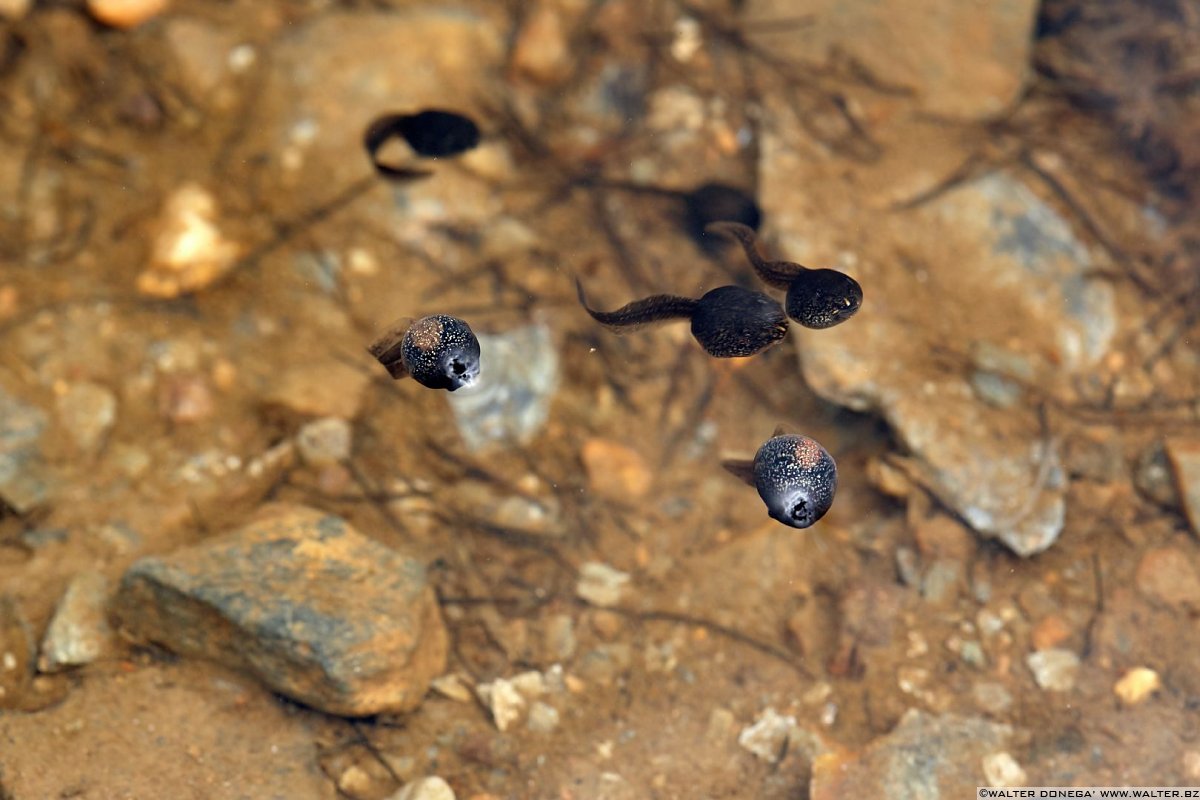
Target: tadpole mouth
[
  {"x": 461, "y": 372},
  {"x": 796, "y": 510}
]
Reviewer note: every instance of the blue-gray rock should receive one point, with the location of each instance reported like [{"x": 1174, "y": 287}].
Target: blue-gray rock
[
  {"x": 1004, "y": 299},
  {"x": 925, "y": 757},
  {"x": 25, "y": 479},
  {"x": 510, "y": 401},
  {"x": 299, "y": 599}
]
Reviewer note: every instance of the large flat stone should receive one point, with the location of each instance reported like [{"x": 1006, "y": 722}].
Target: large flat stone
[
  {"x": 299, "y": 599},
  {"x": 986, "y": 292},
  {"x": 961, "y": 59}
]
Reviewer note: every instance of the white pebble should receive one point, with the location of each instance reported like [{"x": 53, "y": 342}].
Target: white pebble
[
  {"x": 1054, "y": 669},
  {"x": 1136, "y": 685},
  {"x": 324, "y": 442},
  {"x": 1002, "y": 771},
  {"x": 600, "y": 584},
  {"x": 505, "y": 702},
  {"x": 429, "y": 788},
  {"x": 543, "y": 718},
  {"x": 766, "y": 737}
]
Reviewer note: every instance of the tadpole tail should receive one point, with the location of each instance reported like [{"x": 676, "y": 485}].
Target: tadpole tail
[
  {"x": 389, "y": 346},
  {"x": 656, "y": 308},
  {"x": 776, "y": 274},
  {"x": 742, "y": 469}
]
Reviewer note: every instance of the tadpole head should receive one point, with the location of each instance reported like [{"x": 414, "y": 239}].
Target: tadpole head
[
  {"x": 442, "y": 352},
  {"x": 822, "y": 298},
  {"x": 796, "y": 479}
]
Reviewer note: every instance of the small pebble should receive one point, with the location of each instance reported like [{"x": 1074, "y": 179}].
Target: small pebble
[
  {"x": 530, "y": 684},
  {"x": 125, "y": 13},
  {"x": 185, "y": 399},
  {"x": 1055, "y": 669},
  {"x": 767, "y": 736},
  {"x": 1136, "y": 685},
  {"x": 79, "y": 632},
  {"x": 908, "y": 566},
  {"x": 324, "y": 442},
  {"x": 504, "y": 701},
  {"x": 541, "y": 51},
  {"x": 1050, "y": 632},
  {"x": 600, "y": 584},
  {"x": 558, "y": 634},
  {"x": 428, "y": 788},
  {"x": 189, "y": 250},
  {"x": 88, "y": 412},
  {"x": 452, "y": 686},
  {"x": 972, "y": 653},
  {"x": 1002, "y": 771},
  {"x": 1191, "y": 765},
  {"x": 355, "y": 781},
  {"x": 543, "y": 718}
]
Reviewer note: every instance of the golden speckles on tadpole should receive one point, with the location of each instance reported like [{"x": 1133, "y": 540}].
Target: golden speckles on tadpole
[
  {"x": 816, "y": 298},
  {"x": 426, "y": 333},
  {"x": 728, "y": 322},
  {"x": 795, "y": 477},
  {"x": 438, "y": 351}
]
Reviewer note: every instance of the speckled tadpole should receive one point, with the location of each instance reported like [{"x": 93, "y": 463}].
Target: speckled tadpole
[
  {"x": 728, "y": 322},
  {"x": 439, "y": 351},
  {"x": 816, "y": 298},
  {"x": 795, "y": 476}
]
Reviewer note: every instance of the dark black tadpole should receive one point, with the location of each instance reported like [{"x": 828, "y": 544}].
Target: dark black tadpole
[
  {"x": 728, "y": 322},
  {"x": 795, "y": 476},
  {"x": 439, "y": 351},
  {"x": 707, "y": 203},
  {"x": 717, "y": 202},
  {"x": 816, "y": 298},
  {"x": 431, "y": 133}
]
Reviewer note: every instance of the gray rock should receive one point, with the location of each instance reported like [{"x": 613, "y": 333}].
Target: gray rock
[
  {"x": 1027, "y": 311},
  {"x": 926, "y": 757},
  {"x": 510, "y": 402},
  {"x": 78, "y": 633},
  {"x": 299, "y": 599},
  {"x": 25, "y": 480}
]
